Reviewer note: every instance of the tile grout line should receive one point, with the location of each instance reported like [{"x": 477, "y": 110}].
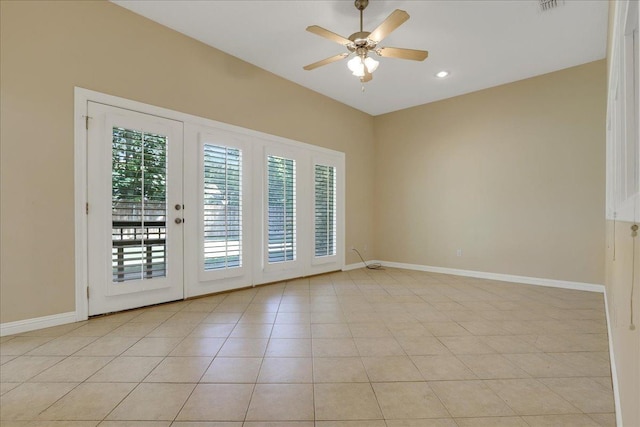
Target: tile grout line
[{"x": 246, "y": 413}]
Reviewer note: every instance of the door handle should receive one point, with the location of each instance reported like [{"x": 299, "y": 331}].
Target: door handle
[{"x": 178, "y": 220}]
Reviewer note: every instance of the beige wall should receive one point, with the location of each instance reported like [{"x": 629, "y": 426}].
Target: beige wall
[
  {"x": 47, "y": 48},
  {"x": 513, "y": 175}
]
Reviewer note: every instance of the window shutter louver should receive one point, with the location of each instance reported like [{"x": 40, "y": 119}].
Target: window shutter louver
[
  {"x": 281, "y": 216},
  {"x": 222, "y": 207},
  {"x": 325, "y": 210}
]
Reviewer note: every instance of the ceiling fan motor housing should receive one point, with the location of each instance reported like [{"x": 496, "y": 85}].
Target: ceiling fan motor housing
[{"x": 361, "y": 40}]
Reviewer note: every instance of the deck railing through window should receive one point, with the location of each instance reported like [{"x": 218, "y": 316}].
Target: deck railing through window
[{"x": 138, "y": 250}]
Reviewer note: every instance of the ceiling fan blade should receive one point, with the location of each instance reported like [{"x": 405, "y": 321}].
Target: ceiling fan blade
[
  {"x": 323, "y": 32},
  {"x": 367, "y": 76},
  {"x": 396, "y": 52},
  {"x": 325, "y": 61},
  {"x": 393, "y": 21}
]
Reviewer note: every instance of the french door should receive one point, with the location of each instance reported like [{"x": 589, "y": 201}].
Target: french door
[
  {"x": 135, "y": 209},
  {"x": 179, "y": 206}
]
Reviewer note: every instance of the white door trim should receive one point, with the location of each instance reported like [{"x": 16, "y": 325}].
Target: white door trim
[{"x": 81, "y": 106}]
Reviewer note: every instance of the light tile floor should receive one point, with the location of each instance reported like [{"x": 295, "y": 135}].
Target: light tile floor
[{"x": 363, "y": 348}]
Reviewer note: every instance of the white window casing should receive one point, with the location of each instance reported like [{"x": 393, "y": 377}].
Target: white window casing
[{"x": 623, "y": 142}]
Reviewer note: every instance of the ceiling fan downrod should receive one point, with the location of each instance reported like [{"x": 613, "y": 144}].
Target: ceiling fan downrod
[{"x": 361, "y": 5}]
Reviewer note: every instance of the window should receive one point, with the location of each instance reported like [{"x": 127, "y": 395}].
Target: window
[
  {"x": 222, "y": 202},
  {"x": 325, "y": 210},
  {"x": 138, "y": 204},
  {"x": 623, "y": 142},
  {"x": 281, "y": 213},
  {"x": 631, "y": 112}
]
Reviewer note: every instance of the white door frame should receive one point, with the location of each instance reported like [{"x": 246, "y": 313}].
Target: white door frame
[
  {"x": 107, "y": 296},
  {"x": 81, "y": 123},
  {"x": 81, "y": 98}
]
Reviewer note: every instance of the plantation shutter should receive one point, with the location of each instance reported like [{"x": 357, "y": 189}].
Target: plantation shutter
[
  {"x": 281, "y": 214},
  {"x": 222, "y": 207},
  {"x": 325, "y": 210}
]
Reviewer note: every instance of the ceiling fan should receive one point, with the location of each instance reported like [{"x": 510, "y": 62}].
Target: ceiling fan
[{"x": 363, "y": 42}]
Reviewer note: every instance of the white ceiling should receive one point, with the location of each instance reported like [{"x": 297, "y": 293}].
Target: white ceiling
[{"x": 482, "y": 43}]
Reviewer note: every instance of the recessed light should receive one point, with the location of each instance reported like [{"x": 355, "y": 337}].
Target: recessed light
[{"x": 442, "y": 74}]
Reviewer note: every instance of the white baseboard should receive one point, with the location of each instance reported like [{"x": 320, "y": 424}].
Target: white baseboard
[
  {"x": 20, "y": 326},
  {"x": 565, "y": 284},
  {"x": 612, "y": 361}
]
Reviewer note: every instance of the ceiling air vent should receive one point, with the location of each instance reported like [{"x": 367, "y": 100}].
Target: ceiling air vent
[{"x": 546, "y": 5}]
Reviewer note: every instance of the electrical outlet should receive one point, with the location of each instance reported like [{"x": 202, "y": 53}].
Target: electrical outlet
[{"x": 459, "y": 252}]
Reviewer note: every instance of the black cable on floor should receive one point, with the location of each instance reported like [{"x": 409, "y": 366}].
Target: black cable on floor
[{"x": 373, "y": 266}]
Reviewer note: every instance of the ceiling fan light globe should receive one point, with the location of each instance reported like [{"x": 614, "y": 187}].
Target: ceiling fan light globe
[
  {"x": 355, "y": 64},
  {"x": 359, "y": 72},
  {"x": 371, "y": 64}
]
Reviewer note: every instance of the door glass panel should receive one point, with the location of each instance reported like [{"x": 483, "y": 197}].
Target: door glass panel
[
  {"x": 325, "y": 210},
  {"x": 281, "y": 214},
  {"x": 222, "y": 207},
  {"x": 138, "y": 206}
]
